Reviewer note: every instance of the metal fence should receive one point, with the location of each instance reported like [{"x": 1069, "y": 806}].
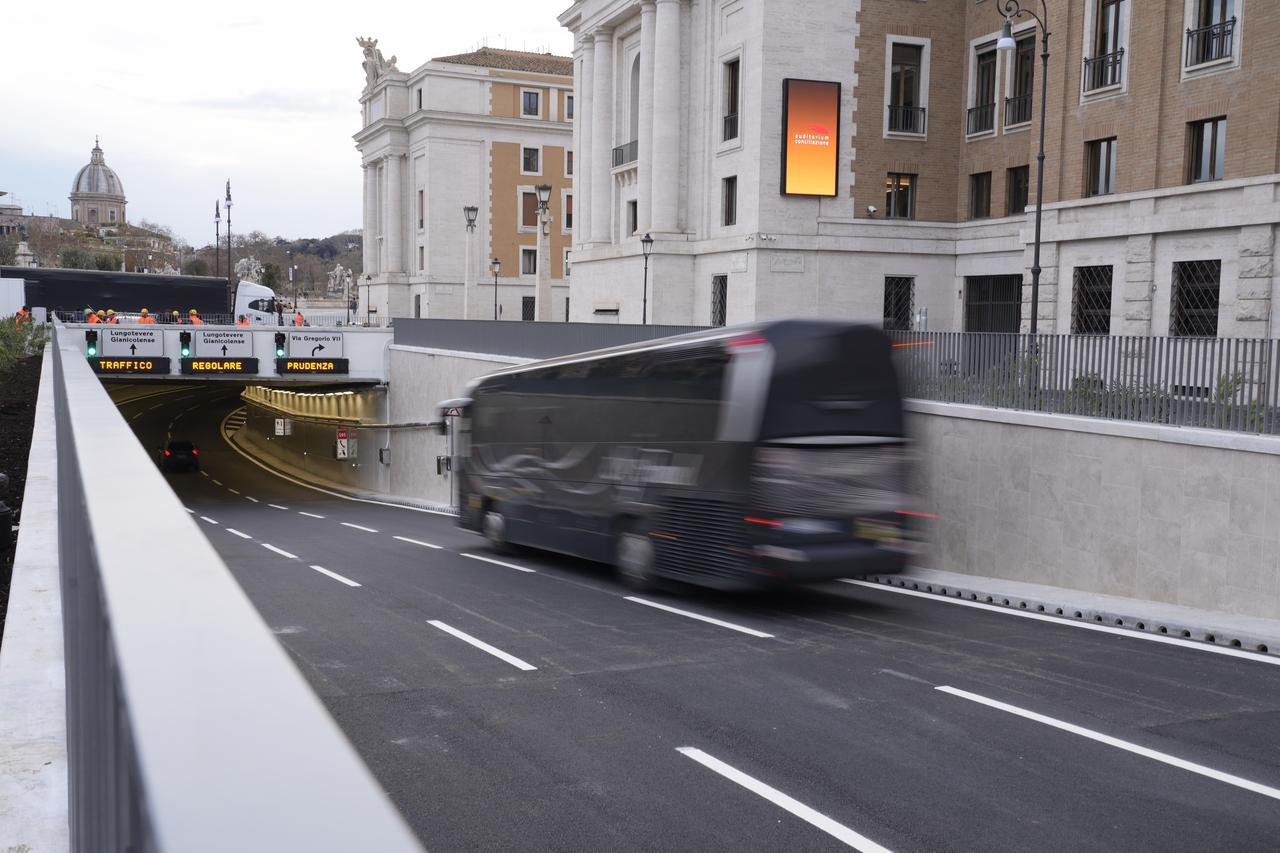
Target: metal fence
[
  {"x": 526, "y": 340},
  {"x": 188, "y": 727},
  {"x": 1213, "y": 383}
]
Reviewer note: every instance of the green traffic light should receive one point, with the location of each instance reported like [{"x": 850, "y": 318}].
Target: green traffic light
[
  {"x": 92, "y": 350},
  {"x": 186, "y": 351}
]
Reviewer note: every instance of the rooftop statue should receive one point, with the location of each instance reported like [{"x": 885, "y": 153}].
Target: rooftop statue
[{"x": 374, "y": 63}]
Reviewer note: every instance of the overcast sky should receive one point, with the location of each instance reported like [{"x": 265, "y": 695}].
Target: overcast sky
[{"x": 186, "y": 95}]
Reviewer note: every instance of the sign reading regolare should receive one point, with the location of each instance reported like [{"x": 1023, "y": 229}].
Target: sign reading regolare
[
  {"x": 132, "y": 342},
  {"x": 224, "y": 344},
  {"x": 315, "y": 344}
]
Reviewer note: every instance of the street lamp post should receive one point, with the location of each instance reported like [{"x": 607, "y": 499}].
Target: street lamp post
[
  {"x": 231, "y": 287},
  {"x": 496, "y": 266},
  {"x": 646, "y": 246},
  {"x": 469, "y": 214},
  {"x": 1013, "y": 9},
  {"x": 217, "y": 238},
  {"x": 148, "y": 269},
  {"x": 542, "y": 275}
]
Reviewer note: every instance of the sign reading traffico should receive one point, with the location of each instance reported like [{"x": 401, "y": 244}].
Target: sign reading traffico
[
  {"x": 810, "y": 137},
  {"x": 315, "y": 366},
  {"x": 201, "y": 366},
  {"x": 129, "y": 365}
]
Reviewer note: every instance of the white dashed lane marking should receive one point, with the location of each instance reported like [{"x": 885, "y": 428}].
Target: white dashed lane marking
[
  {"x": 732, "y": 627},
  {"x": 255, "y": 500},
  {"x": 235, "y": 532},
  {"x": 500, "y": 563},
  {"x": 483, "y": 646},
  {"x": 348, "y": 581},
  {"x": 309, "y": 514},
  {"x": 416, "y": 542},
  {"x": 279, "y": 551},
  {"x": 277, "y": 506},
  {"x": 208, "y": 519},
  {"x": 357, "y": 527}
]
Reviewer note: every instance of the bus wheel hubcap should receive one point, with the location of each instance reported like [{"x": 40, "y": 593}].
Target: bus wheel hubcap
[
  {"x": 495, "y": 527},
  {"x": 635, "y": 556}
]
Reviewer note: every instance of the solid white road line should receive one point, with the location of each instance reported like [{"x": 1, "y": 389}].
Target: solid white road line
[
  {"x": 500, "y": 563},
  {"x": 208, "y": 519},
  {"x": 416, "y": 542},
  {"x": 235, "y": 532},
  {"x": 255, "y": 500},
  {"x": 1062, "y": 620},
  {"x": 483, "y": 646},
  {"x": 282, "y": 553},
  {"x": 277, "y": 506},
  {"x": 357, "y": 527},
  {"x": 348, "y": 581},
  {"x": 836, "y": 830},
  {"x": 232, "y": 491},
  {"x": 309, "y": 514},
  {"x": 1266, "y": 791},
  {"x": 752, "y": 631},
  {"x": 217, "y": 482}
]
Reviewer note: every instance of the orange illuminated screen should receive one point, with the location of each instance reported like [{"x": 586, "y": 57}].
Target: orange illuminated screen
[{"x": 811, "y": 122}]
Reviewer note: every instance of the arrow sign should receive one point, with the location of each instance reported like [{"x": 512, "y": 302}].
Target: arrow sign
[
  {"x": 133, "y": 349},
  {"x": 224, "y": 350},
  {"x": 315, "y": 349}
]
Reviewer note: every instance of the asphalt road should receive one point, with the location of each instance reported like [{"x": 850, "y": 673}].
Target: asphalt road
[{"x": 534, "y": 704}]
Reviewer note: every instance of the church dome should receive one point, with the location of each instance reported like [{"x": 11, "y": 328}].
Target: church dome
[{"x": 97, "y": 177}]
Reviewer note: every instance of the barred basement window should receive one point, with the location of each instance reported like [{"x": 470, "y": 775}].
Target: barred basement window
[
  {"x": 1195, "y": 299},
  {"x": 899, "y": 292},
  {"x": 1091, "y": 301}
]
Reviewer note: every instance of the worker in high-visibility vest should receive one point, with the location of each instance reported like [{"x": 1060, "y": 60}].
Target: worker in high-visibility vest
[
  {"x": 242, "y": 320},
  {"x": 90, "y": 317},
  {"x": 112, "y": 319},
  {"x": 146, "y": 318},
  {"x": 194, "y": 318},
  {"x": 298, "y": 319},
  {"x": 175, "y": 318},
  {"x": 23, "y": 316},
  {"x": 102, "y": 316}
]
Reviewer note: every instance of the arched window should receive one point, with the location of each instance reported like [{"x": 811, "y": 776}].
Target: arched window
[
  {"x": 93, "y": 216},
  {"x": 635, "y": 100}
]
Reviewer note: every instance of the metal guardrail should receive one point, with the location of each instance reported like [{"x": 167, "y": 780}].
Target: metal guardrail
[
  {"x": 1017, "y": 110},
  {"x": 906, "y": 119},
  {"x": 189, "y": 729},
  {"x": 981, "y": 119},
  {"x": 626, "y": 153},
  {"x": 1211, "y": 43},
  {"x": 1103, "y": 71},
  {"x": 1213, "y": 383}
]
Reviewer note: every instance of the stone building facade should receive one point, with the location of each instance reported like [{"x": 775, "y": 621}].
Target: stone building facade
[
  {"x": 478, "y": 129},
  {"x": 1161, "y": 187}
]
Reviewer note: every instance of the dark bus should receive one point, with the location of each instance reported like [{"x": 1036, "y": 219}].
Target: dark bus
[{"x": 732, "y": 458}]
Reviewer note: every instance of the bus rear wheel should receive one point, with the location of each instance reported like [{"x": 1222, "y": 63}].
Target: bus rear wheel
[
  {"x": 635, "y": 560},
  {"x": 495, "y": 530}
]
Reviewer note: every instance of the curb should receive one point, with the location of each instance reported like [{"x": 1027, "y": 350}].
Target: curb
[{"x": 1206, "y": 631}]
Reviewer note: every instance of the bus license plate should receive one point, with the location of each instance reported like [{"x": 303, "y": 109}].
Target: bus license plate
[{"x": 876, "y": 530}]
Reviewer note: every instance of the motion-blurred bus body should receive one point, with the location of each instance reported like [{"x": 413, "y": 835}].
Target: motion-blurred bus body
[{"x": 732, "y": 458}]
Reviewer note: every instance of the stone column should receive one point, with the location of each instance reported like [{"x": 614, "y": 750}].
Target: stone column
[
  {"x": 602, "y": 138},
  {"x": 393, "y": 218},
  {"x": 370, "y": 252},
  {"x": 584, "y": 163},
  {"x": 1255, "y": 281},
  {"x": 644, "y": 164},
  {"x": 665, "y": 123},
  {"x": 1136, "y": 282}
]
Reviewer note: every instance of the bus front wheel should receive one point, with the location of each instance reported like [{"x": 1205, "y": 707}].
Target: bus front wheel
[
  {"x": 495, "y": 530},
  {"x": 635, "y": 560}
]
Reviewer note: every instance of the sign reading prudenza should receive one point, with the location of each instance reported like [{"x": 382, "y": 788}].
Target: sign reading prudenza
[
  {"x": 315, "y": 344},
  {"x": 131, "y": 341},
  {"x": 224, "y": 344}
]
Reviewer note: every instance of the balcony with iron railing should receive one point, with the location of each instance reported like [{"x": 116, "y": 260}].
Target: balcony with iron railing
[
  {"x": 1017, "y": 110},
  {"x": 626, "y": 154},
  {"x": 981, "y": 119},
  {"x": 730, "y": 127},
  {"x": 1211, "y": 43},
  {"x": 906, "y": 119},
  {"x": 1103, "y": 71}
]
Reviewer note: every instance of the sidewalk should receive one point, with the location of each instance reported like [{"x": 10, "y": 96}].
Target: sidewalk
[{"x": 1072, "y": 605}]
